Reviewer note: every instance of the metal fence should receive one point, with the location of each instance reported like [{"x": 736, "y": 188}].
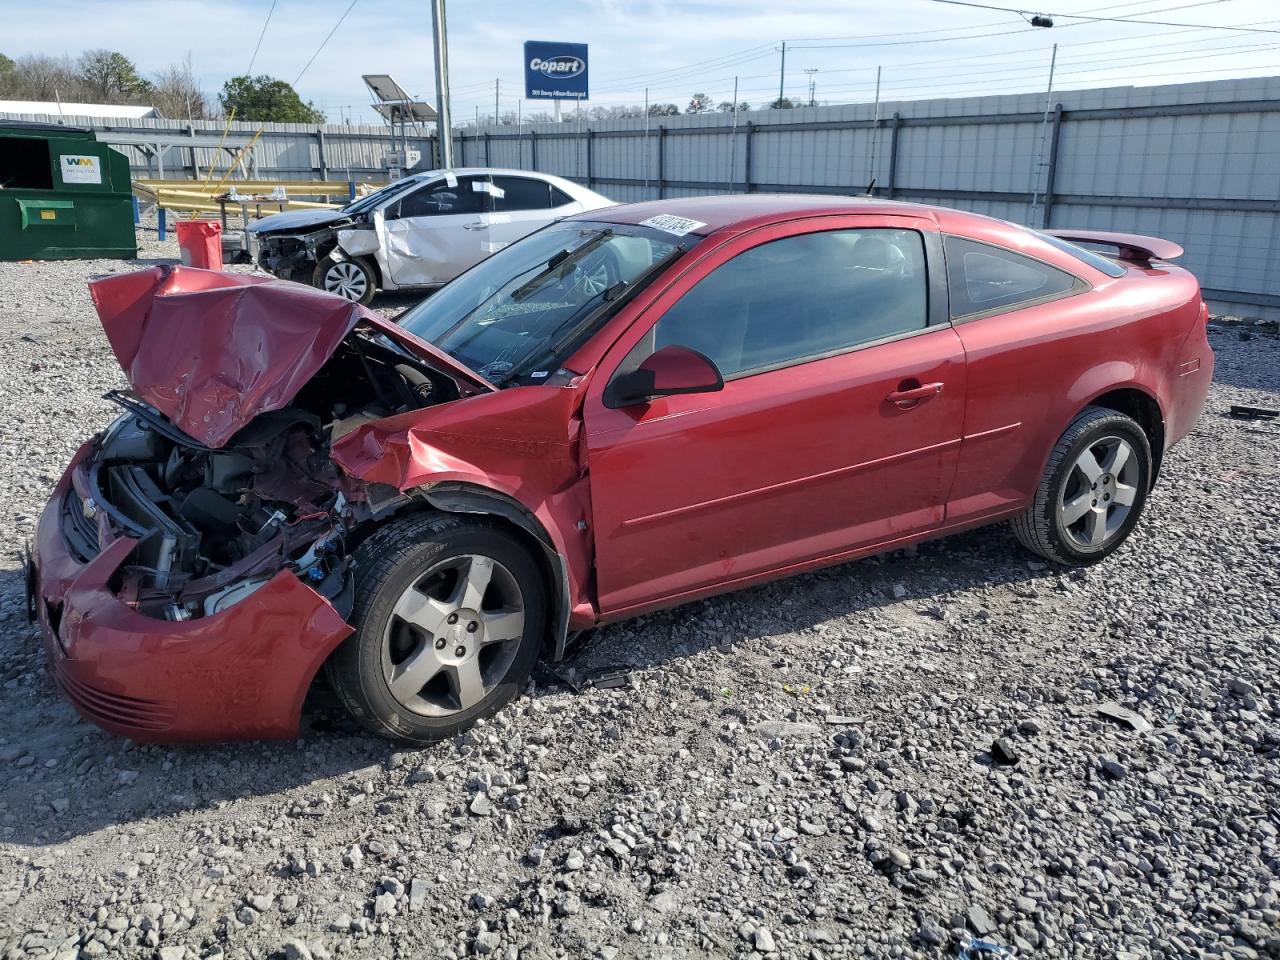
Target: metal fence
[{"x": 1197, "y": 163}]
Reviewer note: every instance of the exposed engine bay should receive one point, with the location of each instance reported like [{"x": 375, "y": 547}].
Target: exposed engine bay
[{"x": 215, "y": 524}]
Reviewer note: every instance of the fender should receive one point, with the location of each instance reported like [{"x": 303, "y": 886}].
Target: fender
[
  {"x": 512, "y": 453},
  {"x": 469, "y": 498}
]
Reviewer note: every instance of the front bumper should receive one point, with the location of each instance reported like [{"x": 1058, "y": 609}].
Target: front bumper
[{"x": 240, "y": 674}]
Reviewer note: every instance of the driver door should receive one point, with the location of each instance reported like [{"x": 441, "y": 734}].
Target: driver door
[
  {"x": 437, "y": 231},
  {"x": 838, "y": 427}
]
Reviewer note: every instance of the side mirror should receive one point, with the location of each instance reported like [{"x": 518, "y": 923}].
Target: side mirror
[{"x": 671, "y": 370}]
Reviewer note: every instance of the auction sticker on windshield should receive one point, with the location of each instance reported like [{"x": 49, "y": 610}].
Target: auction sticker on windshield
[{"x": 672, "y": 224}]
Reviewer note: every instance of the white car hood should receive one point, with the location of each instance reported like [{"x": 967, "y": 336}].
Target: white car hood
[{"x": 296, "y": 220}]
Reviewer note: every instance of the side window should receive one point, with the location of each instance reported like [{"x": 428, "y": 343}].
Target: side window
[
  {"x": 521, "y": 193},
  {"x": 983, "y": 278},
  {"x": 439, "y": 199},
  {"x": 559, "y": 198},
  {"x": 800, "y": 298}
]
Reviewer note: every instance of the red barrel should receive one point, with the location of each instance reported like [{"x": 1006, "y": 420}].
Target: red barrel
[{"x": 201, "y": 243}]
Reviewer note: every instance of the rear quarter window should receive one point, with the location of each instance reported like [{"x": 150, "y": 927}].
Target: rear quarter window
[{"x": 984, "y": 278}]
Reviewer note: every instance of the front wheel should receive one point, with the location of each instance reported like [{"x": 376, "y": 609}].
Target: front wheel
[
  {"x": 349, "y": 279},
  {"x": 1092, "y": 492},
  {"x": 450, "y": 617}
]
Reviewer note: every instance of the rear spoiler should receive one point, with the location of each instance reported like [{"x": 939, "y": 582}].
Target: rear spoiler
[{"x": 1129, "y": 246}]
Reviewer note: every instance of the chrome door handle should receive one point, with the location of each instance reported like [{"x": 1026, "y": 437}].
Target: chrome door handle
[
  {"x": 475, "y": 226},
  {"x": 912, "y": 395}
]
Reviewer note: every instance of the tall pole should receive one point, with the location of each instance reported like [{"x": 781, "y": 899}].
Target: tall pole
[
  {"x": 1044, "y": 128},
  {"x": 813, "y": 84},
  {"x": 497, "y": 81},
  {"x": 874, "y": 146},
  {"x": 782, "y": 73},
  {"x": 733, "y": 138},
  {"x": 444, "y": 125},
  {"x": 646, "y": 143}
]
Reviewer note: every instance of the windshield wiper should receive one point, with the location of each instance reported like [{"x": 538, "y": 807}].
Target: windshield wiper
[{"x": 563, "y": 259}]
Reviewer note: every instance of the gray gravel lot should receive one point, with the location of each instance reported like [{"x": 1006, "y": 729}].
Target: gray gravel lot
[{"x": 807, "y": 769}]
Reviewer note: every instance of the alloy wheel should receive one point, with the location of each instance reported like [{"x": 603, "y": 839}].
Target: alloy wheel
[
  {"x": 1099, "y": 493},
  {"x": 346, "y": 280},
  {"x": 452, "y": 635}
]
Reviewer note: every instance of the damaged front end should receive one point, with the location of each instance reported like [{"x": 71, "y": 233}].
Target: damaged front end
[
  {"x": 213, "y": 525},
  {"x": 292, "y": 251},
  {"x": 206, "y": 534}
]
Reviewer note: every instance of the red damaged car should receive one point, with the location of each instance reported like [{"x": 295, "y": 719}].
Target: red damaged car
[{"x": 626, "y": 410}]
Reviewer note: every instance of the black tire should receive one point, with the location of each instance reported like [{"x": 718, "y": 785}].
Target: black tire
[
  {"x": 1041, "y": 529},
  {"x": 387, "y": 565},
  {"x": 351, "y": 278}
]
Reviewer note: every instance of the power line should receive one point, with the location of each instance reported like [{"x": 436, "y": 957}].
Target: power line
[
  {"x": 1069, "y": 16},
  {"x": 325, "y": 41},
  {"x": 254, "y": 58}
]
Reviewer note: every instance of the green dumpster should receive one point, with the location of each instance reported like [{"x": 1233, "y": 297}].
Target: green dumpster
[{"x": 63, "y": 195}]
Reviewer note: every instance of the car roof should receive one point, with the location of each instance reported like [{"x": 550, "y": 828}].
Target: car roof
[
  {"x": 747, "y": 211},
  {"x": 575, "y": 190}
]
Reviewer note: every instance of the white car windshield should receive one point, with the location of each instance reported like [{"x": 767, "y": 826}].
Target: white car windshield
[{"x": 515, "y": 316}]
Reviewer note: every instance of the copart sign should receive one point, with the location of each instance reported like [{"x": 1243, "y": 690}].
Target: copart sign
[{"x": 555, "y": 71}]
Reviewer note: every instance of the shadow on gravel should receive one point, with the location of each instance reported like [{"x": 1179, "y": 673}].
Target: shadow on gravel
[
  {"x": 53, "y": 756},
  {"x": 917, "y": 583}
]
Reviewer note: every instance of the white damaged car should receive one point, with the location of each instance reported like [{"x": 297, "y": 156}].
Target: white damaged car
[{"x": 421, "y": 231}]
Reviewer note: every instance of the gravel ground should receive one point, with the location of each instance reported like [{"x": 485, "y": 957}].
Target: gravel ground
[{"x": 816, "y": 768}]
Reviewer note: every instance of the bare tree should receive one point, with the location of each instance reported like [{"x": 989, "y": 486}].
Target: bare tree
[
  {"x": 41, "y": 77},
  {"x": 177, "y": 94}
]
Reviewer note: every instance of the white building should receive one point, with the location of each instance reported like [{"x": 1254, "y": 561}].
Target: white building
[{"x": 25, "y": 109}]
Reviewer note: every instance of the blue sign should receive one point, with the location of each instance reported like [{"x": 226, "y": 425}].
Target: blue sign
[{"x": 555, "y": 71}]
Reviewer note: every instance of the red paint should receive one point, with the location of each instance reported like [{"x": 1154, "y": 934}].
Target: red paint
[
  {"x": 213, "y": 350},
  {"x": 239, "y": 674},
  {"x": 650, "y": 504},
  {"x": 1129, "y": 246}
]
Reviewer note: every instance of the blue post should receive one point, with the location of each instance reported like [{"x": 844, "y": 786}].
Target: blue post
[
  {"x": 160, "y": 223},
  {"x": 137, "y": 214},
  {"x": 351, "y": 189}
]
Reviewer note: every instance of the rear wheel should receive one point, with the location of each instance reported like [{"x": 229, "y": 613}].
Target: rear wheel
[
  {"x": 351, "y": 279},
  {"x": 450, "y": 614},
  {"x": 1092, "y": 492}
]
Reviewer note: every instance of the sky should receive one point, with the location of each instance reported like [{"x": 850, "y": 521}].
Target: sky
[{"x": 923, "y": 48}]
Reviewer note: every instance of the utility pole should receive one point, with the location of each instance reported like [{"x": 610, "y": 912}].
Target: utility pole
[
  {"x": 1044, "y": 129},
  {"x": 813, "y": 84},
  {"x": 873, "y": 148},
  {"x": 444, "y": 125},
  {"x": 733, "y": 138},
  {"x": 782, "y": 73},
  {"x": 646, "y": 143},
  {"x": 497, "y": 83}
]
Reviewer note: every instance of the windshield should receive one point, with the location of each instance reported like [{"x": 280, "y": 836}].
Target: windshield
[
  {"x": 371, "y": 200},
  {"x": 516, "y": 316}
]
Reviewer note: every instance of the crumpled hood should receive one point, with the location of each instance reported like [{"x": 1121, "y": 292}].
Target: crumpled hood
[
  {"x": 296, "y": 220},
  {"x": 213, "y": 350}
]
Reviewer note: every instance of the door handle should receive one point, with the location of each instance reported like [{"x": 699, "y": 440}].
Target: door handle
[
  {"x": 906, "y": 396},
  {"x": 478, "y": 225}
]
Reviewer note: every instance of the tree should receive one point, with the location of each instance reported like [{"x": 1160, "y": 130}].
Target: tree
[
  {"x": 264, "y": 98},
  {"x": 698, "y": 103},
  {"x": 111, "y": 77},
  {"x": 663, "y": 110},
  {"x": 782, "y": 103},
  {"x": 727, "y": 107},
  {"x": 40, "y": 77},
  {"x": 176, "y": 93},
  {"x": 8, "y": 76}
]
